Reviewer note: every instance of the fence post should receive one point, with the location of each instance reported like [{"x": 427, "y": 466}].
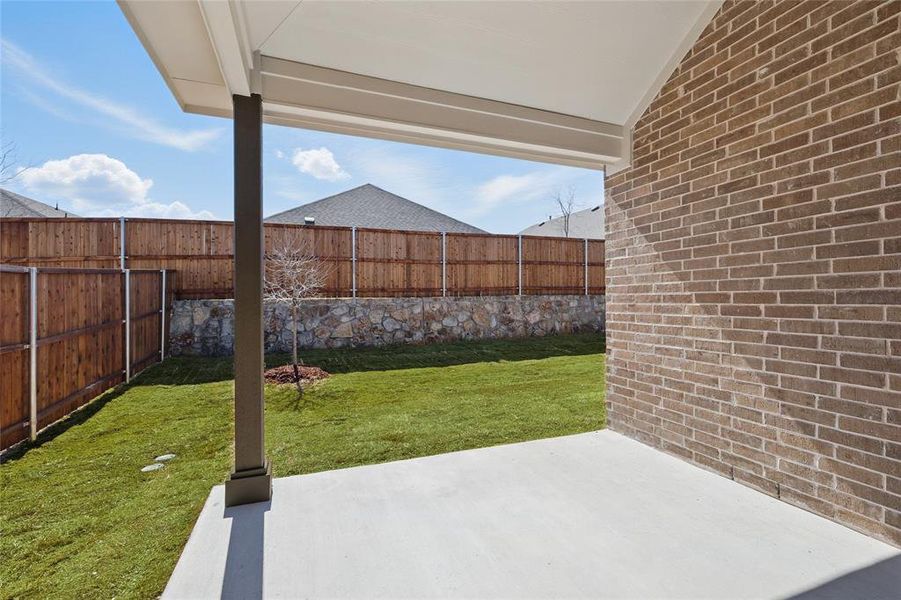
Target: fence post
[
  {"x": 519, "y": 253},
  {"x": 163, "y": 315},
  {"x": 353, "y": 262},
  {"x": 122, "y": 243},
  {"x": 586, "y": 266},
  {"x": 33, "y": 351},
  {"x": 444, "y": 263},
  {"x": 127, "y": 307}
]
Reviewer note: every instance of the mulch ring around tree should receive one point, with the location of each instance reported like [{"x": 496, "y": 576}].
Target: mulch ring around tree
[{"x": 285, "y": 374}]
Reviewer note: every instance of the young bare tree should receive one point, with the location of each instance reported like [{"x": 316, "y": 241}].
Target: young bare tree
[
  {"x": 566, "y": 204},
  {"x": 8, "y": 168},
  {"x": 293, "y": 274}
]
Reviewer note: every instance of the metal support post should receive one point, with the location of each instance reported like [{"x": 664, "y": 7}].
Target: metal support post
[
  {"x": 444, "y": 263},
  {"x": 127, "y": 273},
  {"x": 519, "y": 254},
  {"x": 122, "y": 243},
  {"x": 353, "y": 262},
  {"x": 163, "y": 314},
  {"x": 33, "y": 351}
]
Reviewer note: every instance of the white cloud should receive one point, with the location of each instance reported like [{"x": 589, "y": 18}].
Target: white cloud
[
  {"x": 319, "y": 163},
  {"x": 515, "y": 189},
  {"x": 126, "y": 118},
  {"x": 398, "y": 170},
  {"x": 98, "y": 185}
]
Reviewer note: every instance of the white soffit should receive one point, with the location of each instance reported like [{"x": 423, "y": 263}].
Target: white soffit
[{"x": 552, "y": 81}]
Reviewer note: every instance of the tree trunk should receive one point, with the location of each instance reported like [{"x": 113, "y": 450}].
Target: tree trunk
[{"x": 294, "y": 348}]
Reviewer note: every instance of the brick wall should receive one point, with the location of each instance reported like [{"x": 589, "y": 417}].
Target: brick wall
[{"x": 754, "y": 260}]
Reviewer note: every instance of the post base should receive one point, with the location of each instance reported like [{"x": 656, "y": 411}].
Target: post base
[{"x": 247, "y": 487}]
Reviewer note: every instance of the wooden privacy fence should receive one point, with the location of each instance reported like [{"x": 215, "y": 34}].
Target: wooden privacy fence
[
  {"x": 362, "y": 262},
  {"x": 67, "y": 334}
]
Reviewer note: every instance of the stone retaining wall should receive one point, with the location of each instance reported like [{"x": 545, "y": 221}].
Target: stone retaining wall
[{"x": 206, "y": 327}]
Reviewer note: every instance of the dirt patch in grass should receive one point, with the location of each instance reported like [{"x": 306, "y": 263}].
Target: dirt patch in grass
[{"x": 285, "y": 374}]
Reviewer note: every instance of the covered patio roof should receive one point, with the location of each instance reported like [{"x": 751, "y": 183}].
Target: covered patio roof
[
  {"x": 558, "y": 82},
  {"x": 547, "y": 81}
]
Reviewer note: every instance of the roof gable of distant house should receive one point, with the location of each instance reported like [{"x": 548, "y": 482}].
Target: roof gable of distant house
[
  {"x": 17, "y": 205},
  {"x": 371, "y": 206},
  {"x": 588, "y": 223}
]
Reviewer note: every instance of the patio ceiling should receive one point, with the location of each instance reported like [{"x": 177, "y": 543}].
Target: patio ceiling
[{"x": 551, "y": 81}]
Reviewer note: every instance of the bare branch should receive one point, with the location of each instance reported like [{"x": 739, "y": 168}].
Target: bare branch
[
  {"x": 8, "y": 170},
  {"x": 566, "y": 203},
  {"x": 293, "y": 274}
]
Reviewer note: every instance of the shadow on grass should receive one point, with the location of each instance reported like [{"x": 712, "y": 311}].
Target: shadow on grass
[
  {"x": 197, "y": 370},
  {"x": 189, "y": 371},
  {"x": 418, "y": 356},
  {"x": 174, "y": 371},
  {"x": 71, "y": 420}
]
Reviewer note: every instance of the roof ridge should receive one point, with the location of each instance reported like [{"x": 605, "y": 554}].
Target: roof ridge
[
  {"x": 30, "y": 206},
  {"x": 370, "y": 193}
]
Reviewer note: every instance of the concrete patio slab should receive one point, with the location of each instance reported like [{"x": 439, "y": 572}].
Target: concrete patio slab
[{"x": 594, "y": 515}]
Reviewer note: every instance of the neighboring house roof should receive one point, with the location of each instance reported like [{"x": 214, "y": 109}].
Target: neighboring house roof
[
  {"x": 17, "y": 205},
  {"x": 588, "y": 223},
  {"x": 371, "y": 206}
]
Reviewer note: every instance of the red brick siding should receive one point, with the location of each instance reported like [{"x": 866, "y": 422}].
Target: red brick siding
[{"x": 754, "y": 259}]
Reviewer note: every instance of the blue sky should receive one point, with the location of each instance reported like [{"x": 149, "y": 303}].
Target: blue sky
[{"x": 92, "y": 118}]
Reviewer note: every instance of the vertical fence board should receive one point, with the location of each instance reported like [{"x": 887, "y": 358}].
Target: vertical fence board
[
  {"x": 553, "y": 265},
  {"x": 479, "y": 264},
  {"x": 596, "y": 272},
  {"x": 79, "y": 339},
  {"x": 389, "y": 262},
  {"x": 398, "y": 263},
  {"x": 60, "y": 242},
  {"x": 14, "y": 355}
]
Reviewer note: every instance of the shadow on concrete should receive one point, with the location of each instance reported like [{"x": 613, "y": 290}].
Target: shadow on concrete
[
  {"x": 879, "y": 581},
  {"x": 243, "y": 577}
]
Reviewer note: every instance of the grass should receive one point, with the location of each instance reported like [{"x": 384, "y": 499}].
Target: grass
[{"x": 78, "y": 518}]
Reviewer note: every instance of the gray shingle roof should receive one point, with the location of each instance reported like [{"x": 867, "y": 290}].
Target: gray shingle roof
[
  {"x": 371, "y": 206},
  {"x": 588, "y": 223},
  {"x": 17, "y": 205}
]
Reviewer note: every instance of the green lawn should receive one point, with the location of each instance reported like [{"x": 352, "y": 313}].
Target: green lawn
[{"x": 78, "y": 519}]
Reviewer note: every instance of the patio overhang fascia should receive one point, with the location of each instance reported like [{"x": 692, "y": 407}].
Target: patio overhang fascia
[
  {"x": 308, "y": 96},
  {"x": 205, "y": 52}
]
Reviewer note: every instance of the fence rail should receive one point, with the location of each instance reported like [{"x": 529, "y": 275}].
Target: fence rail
[
  {"x": 362, "y": 262},
  {"x": 68, "y": 334}
]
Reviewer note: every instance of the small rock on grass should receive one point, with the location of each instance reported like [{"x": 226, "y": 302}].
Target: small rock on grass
[
  {"x": 153, "y": 467},
  {"x": 164, "y": 457}
]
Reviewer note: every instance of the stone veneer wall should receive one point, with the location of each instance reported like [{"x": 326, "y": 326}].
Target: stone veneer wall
[
  {"x": 754, "y": 259},
  {"x": 206, "y": 327}
]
